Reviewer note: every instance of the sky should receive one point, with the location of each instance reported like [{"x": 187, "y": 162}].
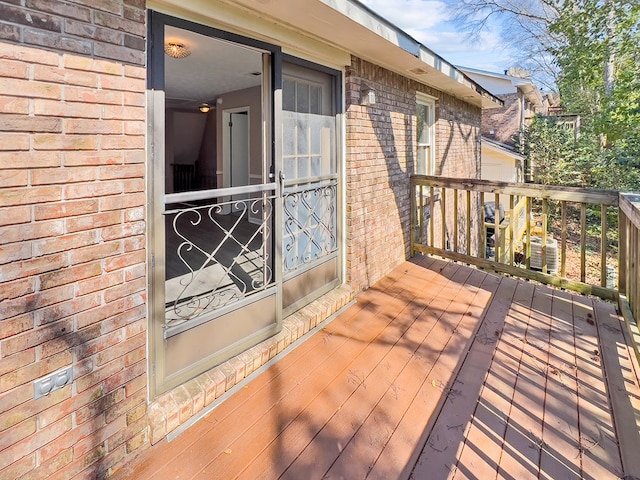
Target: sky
[{"x": 431, "y": 24}]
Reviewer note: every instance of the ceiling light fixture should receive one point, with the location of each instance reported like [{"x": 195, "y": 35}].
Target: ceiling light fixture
[
  {"x": 204, "y": 108},
  {"x": 177, "y": 50}
]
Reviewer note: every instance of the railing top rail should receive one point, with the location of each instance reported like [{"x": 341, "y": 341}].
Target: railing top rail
[
  {"x": 551, "y": 192},
  {"x": 630, "y": 205}
]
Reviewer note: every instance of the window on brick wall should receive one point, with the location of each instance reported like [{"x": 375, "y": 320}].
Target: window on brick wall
[{"x": 425, "y": 135}]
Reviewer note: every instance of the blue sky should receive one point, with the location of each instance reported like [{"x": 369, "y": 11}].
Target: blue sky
[{"x": 429, "y": 22}]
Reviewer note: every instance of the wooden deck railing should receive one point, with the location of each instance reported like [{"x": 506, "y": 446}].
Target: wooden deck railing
[
  {"x": 629, "y": 272},
  {"x": 562, "y": 236}
]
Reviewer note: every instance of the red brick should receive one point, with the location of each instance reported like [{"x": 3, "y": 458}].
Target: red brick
[
  {"x": 63, "y": 76},
  {"x": 14, "y": 105},
  {"x": 23, "y": 123},
  {"x": 120, "y": 349},
  {"x": 68, "y": 406},
  {"x": 31, "y": 231},
  {"x": 65, "y": 142},
  {"x": 29, "y": 196},
  {"x": 135, "y": 314},
  {"x": 28, "y": 54},
  {"x": 118, "y": 202},
  {"x": 29, "y": 159},
  {"x": 108, "y": 127},
  {"x": 135, "y": 128},
  {"x": 125, "y": 290},
  {"x": 99, "y": 406},
  {"x": 136, "y": 271},
  {"x": 35, "y": 441},
  {"x": 134, "y": 99},
  {"x": 94, "y": 252},
  {"x": 29, "y": 373},
  {"x": 92, "y": 65},
  {"x": 92, "y": 98},
  {"x": 18, "y": 360},
  {"x": 125, "y": 406},
  {"x": 30, "y": 89},
  {"x": 64, "y": 342},
  {"x": 13, "y": 178},
  {"x": 47, "y": 467},
  {"x": 17, "y": 433},
  {"x": 20, "y": 467},
  {"x": 70, "y": 275},
  {"x": 13, "y": 69},
  {"x": 122, "y": 142},
  {"x": 126, "y": 84},
  {"x": 62, "y": 9},
  {"x": 134, "y": 156},
  {"x": 135, "y": 72},
  {"x": 64, "y": 242},
  {"x": 68, "y": 308},
  {"x": 93, "y": 158},
  {"x": 16, "y": 325},
  {"x": 32, "y": 407},
  {"x": 100, "y": 283},
  {"x": 64, "y": 109},
  {"x": 15, "y": 215},
  {"x": 26, "y": 268},
  {"x": 99, "y": 344},
  {"x": 17, "y": 289},
  {"x": 121, "y": 171},
  {"x": 93, "y": 189},
  {"x": 12, "y": 399},
  {"x": 135, "y": 356},
  {"x": 125, "y": 260},
  {"x": 136, "y": 328},
  {"x": 94, "y": 221},
  {"x": 18, "y": 306},
  {"x": 123, "y": 53},
  {"x": 89, "y": 442},
  {"x": 139, "y": 440},
  {"x": 14, "y": 141},
  {"x": 124, "y": 113},
  {"x": 62, "y": 175},
  {"x": 101, "y": 313},
  {"x": 35, "y": 337},
  {"x": 125, "y": 376},
  {"x": 65, "y": 209},
  {"x": 134, "y": 243},
  {"x": 71, "y": 438},
  {"x": 125, "y": 230},
  {"x": 157, "y": 422},
  {"x": 98, "y": 375}
]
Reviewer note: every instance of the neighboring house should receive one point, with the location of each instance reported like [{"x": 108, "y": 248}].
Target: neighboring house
[
  {"x": 500, "y": 160},
  {"x": 187, "y": 188}
]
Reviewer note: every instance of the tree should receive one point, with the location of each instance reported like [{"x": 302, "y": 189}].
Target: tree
[{"x": 594, "y": 49}]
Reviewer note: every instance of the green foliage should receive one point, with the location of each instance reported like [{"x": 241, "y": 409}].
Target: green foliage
[
  {"x": 556, "y": 157},
  {"x": 598, "y": 53}
]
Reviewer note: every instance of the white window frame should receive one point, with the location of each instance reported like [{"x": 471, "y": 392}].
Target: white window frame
[{"x": 430, "y": 144}]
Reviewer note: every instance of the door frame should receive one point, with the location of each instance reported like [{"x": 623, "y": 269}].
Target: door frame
[{"x": 159, "y": 380}]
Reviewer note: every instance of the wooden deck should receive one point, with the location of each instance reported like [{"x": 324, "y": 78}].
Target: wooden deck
[{"x": 439, "y": 371}]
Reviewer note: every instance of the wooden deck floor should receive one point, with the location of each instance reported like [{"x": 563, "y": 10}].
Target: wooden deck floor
[{"x": 439, "y": 371}]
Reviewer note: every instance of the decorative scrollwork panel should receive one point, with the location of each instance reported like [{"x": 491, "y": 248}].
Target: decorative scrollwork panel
[
  {"x": 309, "y": 225},
  {"x": 217, "y": 254}
]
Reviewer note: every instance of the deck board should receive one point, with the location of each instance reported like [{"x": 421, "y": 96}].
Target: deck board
[{"x": 438, "y": 371}]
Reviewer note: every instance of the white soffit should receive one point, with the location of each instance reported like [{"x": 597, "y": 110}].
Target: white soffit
[{"x": 349, "y": 26}]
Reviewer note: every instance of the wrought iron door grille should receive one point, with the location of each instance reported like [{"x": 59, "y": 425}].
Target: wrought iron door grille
[
  {"x": 309, "y": 224},
  {"x": 217, "y": 254}
]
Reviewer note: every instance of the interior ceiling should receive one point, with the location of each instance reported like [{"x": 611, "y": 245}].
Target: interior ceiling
[{"x": 215, "y": 67}]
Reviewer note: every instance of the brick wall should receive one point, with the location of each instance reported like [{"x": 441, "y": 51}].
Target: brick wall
[
  {"x": 380, "y": 159},
  {"x": 72, "y": 246}
]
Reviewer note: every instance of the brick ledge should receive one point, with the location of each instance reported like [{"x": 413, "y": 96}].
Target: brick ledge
[{"x": 174, "y": 408}]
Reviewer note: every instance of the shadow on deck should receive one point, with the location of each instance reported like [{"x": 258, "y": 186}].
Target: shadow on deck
[{"x": 439, "y": 371}]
